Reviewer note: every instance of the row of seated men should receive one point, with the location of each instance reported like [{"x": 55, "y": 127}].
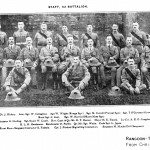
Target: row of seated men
[{"x": 105, "y": 54}]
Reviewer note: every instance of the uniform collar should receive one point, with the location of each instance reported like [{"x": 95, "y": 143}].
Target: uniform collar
[
  {"x": 91, "y": 48},
  {"x": 30, "y": 47},
  {"x": 70, "y": 46},
  {"x": 11, "y": 46},
  {"x": 108, "y": 45},
  {"x": 49, "y": 46}
]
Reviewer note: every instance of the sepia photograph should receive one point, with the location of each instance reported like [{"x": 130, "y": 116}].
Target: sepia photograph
[{"x": 74, "y": 59}]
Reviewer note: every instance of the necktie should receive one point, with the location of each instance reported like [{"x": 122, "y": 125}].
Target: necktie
[
  {"x": 29, "y": 48},
  {"x": 49, "y": 47},
  {"x": 11, "y": 46}
]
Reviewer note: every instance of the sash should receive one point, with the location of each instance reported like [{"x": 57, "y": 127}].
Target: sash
[
  {"x": 45, "y": 36},
  {"x": 75, "y": 38},
  {"x": 89, "y": 37},
  {"x": 139, "y": 38},
  {"x": 20, "y": 75},
  {"x": 115, "y": 40},
  {"x": 65, "y": 39},
  {"x": 130, "y": 74}
]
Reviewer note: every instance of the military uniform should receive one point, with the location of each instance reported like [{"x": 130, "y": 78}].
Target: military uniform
[
  {"x": 75, "y": 75},
  {"x": 124, "y": 54},
  {"x": 107, "y": 52},
  {"x": 41, "y": 40},
  {"x": 128, "y": 82},
  {"x": 20, "y": 38},
  {"x": 52, "y": 53},
  {"x": 10, "y": 52},
  {"x": 33, "y": 55},
  {"x": 137, "y": 43},
  {"x": 94, "y": 36},
  {"x": 60, "y": 41},
  {"x": 145, "y": 64},
  {"x": 15, "y": 80},
  {"x": 3, "y": 39},
  {"x": 67, "y": 57}
]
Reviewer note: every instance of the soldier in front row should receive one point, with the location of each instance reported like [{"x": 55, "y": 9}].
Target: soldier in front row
[
  {"x": 76, "y": 76},
  {"x": 131, "y": 78},
  {"x": 49, "y": 53},
  {"x": 10, "y": 52},
  {"x": 18, "y": 78},
  {"x": 30, "y": 56}
]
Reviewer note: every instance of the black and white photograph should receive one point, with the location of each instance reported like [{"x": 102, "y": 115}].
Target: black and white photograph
[{"x": 75, "y": 59}]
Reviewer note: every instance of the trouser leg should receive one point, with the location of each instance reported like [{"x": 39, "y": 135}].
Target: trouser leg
[
  {"x": 118, "y": 77},
  {"x": 4, "y": 75},
  {"x": 113, "y": 76},
  {"x": 102, "y": 75}
]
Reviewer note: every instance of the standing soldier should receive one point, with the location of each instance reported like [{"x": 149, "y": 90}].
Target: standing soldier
[
  {"x": 125, "y": 53},
  {"x": 18, "y": 78},
  {"x": 138, "y": 38},
  {"x": 67, "y": 55},
  {"x": 41, "y": 36},
  {"x": 30, "y": 55},
  {"x": 49, "y": 53},
  {"x": 118, "y": 38},
  {"x": 109, "y": 52},
  {"x": 10, "y": 52},
  {"x": 90, "y": 35},
  {"x": 3, "y": 39},
  {"x": 131, "y": 78},
  {"x": 21, "y": 35},
  {"x": 61, "y": 39}
]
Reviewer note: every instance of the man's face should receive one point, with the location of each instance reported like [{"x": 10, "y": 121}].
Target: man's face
[
  {"x": 11, "y": 40},
  {"x": 18, "y": 64},
  {"x": 70, "y": 40},
  {"x": 64, "y": 29},
  {"x": 135, "y": 26},
  {"x": 20, "y": 25},
  {"x": 131, "y": 62},
  {"x": 29, "y": 41},
  {"x": 44, "y": 27},
  {"x": 90, "y": 43},
  {"x": 76, "y": 60},
  {"x": 49, "y": 41},
  {"x": 115, "y": 28},
  {"x": 109, "y": 40},
  {"x": 129, "y": 41},
  {"x": 89, "y": 28}
]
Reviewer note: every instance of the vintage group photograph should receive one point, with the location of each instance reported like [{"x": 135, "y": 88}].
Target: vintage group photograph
[{"x": 74, "y": 59}]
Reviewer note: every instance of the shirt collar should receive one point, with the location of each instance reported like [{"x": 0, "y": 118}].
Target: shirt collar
[
  {"x": 49, "y": 46},
  {"x": 70, "y": 46},
  {"x": 11, "y": 45},
  {"x": 108, "y": 45}
]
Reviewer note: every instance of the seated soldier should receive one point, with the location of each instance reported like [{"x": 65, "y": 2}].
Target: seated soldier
[
  {"x": 89, "y": 53},
  {"x": 76, "y": 76},
  {"x": 10, "y": 52},
  {"x": 67, "y": 55},
  {"x": 109, "y": 55},
  {"x": 131, "y": 78},
  {"x": 18, "y": 78},
  {"x": 145, "y": 65},
  {"x": 49, "y": 53},
  {"x": 30, "y": 56},
  {"x": 125, "y": 53}
]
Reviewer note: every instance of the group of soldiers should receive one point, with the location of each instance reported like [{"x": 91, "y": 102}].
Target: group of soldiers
[{"x": 128, "y": 60}]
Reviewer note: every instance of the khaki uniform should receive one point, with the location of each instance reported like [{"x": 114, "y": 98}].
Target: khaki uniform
[
  {"x": 67, "y": 57},
  {"x": 106, "y": 53},
  {"x": 3, "y": 39},
  {"x": 53, "y": 54},
  {"x": 75, "y": 75},
  {"x": 41, "y": 41},
  {"x": 33, "y": 55},
  {"x": 95, "y": 38},
  {"x": 14, "y": 80},
  {"x": 145, "y": 64},
  {"x": 136, "y": 43},
  {"x": 124, "y": 54},
  {"x": 60, "y": 42},
  {"x": 127, "y": 81},
  {"x": 9, "y": 53},
  {"x": 20, "y": 38}
]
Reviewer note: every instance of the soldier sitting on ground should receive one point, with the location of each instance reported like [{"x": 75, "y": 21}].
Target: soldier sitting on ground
[
  {"x": 76, "y": 76},
  {"x": 18, "y": 78},
  {"x": 131, "y": 78}
]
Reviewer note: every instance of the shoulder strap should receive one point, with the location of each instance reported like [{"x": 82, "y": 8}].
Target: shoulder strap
[
  {"x": 130, "y": 74},
  {"x": 115, "y": 40},
  {"x": 139, "y": 38},
  {"x": 64, "y": 38},
  {"x": 45, "y": 36},
  {"x": 19, "y": 74}
]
